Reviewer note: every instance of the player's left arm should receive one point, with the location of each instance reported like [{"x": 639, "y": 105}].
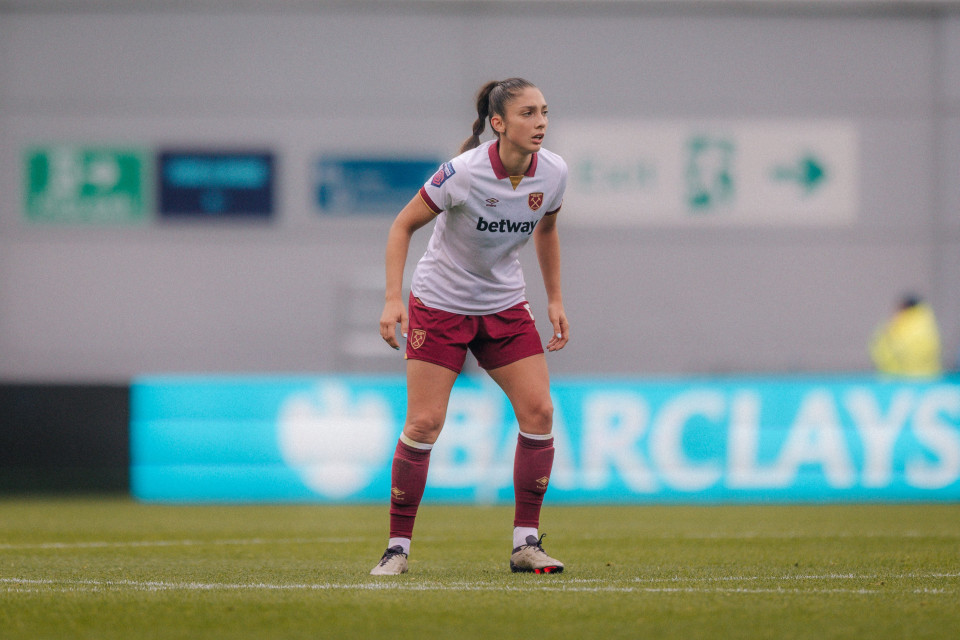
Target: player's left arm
[{"x": 546, "y": 240}]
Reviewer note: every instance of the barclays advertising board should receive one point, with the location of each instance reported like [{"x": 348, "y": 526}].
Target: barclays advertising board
[{"x": 331, "y": 439}]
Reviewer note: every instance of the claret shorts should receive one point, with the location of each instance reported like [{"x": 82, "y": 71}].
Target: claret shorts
[{"x": 495, "y": 340}]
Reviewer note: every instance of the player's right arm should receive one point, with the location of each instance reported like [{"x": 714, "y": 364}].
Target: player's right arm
[{"x": 412, "y": 217}]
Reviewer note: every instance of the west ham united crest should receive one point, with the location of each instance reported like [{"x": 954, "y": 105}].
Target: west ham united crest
[
  {"x": 419, "y": 335},
  {"x": 535, "y": 200}
]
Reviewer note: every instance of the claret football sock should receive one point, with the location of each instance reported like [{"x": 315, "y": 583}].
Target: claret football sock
[
  {"x": 409, "y": 477},
  {"x": 532, "y": 464}
]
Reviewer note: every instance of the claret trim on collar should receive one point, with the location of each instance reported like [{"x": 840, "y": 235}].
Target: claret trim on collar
[{"x": 497, "y": 164}]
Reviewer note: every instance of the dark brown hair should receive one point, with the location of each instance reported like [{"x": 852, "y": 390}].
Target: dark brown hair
[{"x": 492, "y": 100}]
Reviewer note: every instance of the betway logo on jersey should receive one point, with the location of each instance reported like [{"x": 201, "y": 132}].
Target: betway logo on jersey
[{"x": 506, "y": 226}]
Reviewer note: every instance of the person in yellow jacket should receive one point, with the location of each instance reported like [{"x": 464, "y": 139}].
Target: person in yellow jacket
[{"x": 909, "y": 343}]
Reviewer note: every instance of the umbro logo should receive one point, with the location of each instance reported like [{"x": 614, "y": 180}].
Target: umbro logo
[{"x": 491, "y": 202}]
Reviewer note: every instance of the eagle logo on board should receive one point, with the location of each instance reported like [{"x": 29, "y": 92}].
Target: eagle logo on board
[
  {"x": 535, "y": 200},
  {"x": 419, "y": 337}
]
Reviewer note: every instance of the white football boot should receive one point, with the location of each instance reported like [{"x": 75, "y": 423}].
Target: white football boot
[
  {"x": 393, "y": 563},
  {"x": 531, "y": 558}
]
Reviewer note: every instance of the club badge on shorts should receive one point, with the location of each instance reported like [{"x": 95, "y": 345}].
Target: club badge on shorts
[
  {"x": 419, "y": 335},
  {"x": 535, "y": 200}
]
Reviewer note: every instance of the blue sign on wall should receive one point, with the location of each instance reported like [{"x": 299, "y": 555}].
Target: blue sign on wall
[
  {"x": 214, "y": 184},
  {"x": 380, "y": 186},
  {"x": 330, "y": 439}
]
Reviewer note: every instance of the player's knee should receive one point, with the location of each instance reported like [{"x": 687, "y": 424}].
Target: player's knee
[
  {"x": 423, "y": 427},
  {"x": 539, "y": 417}
]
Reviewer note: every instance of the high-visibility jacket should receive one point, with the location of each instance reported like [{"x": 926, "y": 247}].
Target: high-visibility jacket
[{"x": 908, "y": 344}]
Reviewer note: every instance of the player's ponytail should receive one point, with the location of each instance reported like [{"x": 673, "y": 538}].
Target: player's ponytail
[
  {"x": 492, "y": 100},
  {"x": 483, "y": 112}
]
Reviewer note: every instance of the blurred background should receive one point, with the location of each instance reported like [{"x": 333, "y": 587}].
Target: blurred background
[
  {"x": 740, "y": 287},
  {"x": 206, "y": 187}
]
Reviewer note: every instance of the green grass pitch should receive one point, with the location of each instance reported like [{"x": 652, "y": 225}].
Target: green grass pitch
[{"x": 110, "y": 568}]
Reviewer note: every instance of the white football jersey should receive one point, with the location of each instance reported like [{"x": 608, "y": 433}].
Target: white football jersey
[{"x": 485, "y": 217}]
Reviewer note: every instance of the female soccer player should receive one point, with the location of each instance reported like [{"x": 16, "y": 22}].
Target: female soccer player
[{"x": 468, "y": 292}]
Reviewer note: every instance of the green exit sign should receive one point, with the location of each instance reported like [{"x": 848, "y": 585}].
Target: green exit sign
[{"x": 79, "y": 184}]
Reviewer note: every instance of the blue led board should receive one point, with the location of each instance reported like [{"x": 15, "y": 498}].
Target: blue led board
[
  {"x": 216, "y": 184},
  {"x": 378, "y": 186},
  {"x": 331, "y": 439}
]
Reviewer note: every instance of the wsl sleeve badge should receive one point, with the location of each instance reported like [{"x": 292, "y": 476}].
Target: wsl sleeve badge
[{"x": 445, "y": 171}]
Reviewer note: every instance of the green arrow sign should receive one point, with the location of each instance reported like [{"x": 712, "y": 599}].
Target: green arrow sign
[{"x": 808, "y": 172}]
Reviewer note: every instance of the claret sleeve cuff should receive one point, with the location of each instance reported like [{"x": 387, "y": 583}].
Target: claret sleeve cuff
[{"x": 427, "y": 200}]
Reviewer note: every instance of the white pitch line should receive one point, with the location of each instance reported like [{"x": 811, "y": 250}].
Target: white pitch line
[
  {"x": 798, "y": 577},
  {"x": 23, "y": 585},
  {"x": 176, "y": 543},
  {"x": 755, "y": 535}
]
